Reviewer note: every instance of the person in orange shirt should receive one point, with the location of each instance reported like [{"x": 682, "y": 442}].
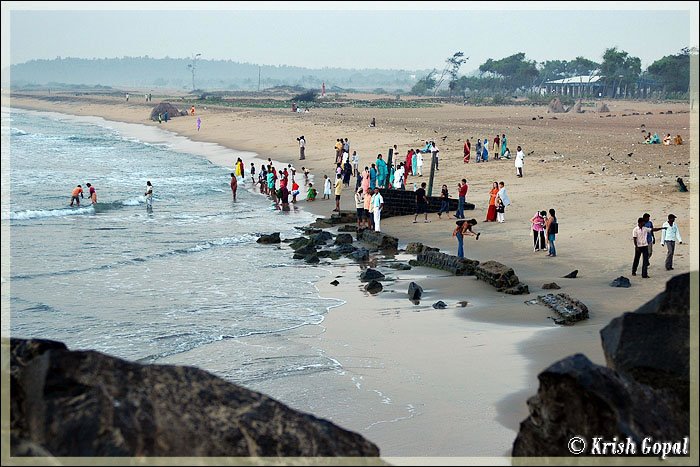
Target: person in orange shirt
[
  {"x": 77, "y": 191},
  {"x": 192, "y": 110}
]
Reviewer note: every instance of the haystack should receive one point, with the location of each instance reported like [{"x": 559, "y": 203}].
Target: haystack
[
  {"x": 162, "y": 108},
  {"x": 556, "y": 107},
  {"x": 578, "y": 107},
  {"x": 602, "y": 108}
]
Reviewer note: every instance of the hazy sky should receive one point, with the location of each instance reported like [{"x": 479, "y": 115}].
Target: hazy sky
[{"x": 400, "y": 35}]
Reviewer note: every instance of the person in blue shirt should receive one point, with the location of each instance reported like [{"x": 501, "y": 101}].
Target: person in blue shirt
[{"x": 650, "y": 236}]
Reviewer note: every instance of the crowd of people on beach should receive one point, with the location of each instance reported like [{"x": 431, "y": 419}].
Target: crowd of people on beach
[{"x": 281, "y": 185}]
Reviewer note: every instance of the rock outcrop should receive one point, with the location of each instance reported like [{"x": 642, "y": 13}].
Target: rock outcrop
[
  {"x": 162, "y": 108},
  {"x": 500, "y": 276},
  {"x": 85, "y": 403},
  {"x": 643, "y": 392},
  {"x": 431, "y": 257},
  {"x": 382, "y": 241}
]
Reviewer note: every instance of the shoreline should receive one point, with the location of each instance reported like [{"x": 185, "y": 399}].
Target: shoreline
[{"x": 412, "y": 367}]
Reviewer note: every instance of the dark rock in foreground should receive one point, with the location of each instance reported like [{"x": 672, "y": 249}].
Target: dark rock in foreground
[
  {"x": 415, "y": 291},
  {"x": 371, "y": 274},
  {"x": 579, "y": 398},
  {"x": 651, "y": 345},
  {"x": 382, "y": 241},
  {"x": 374, "y": 287},
  {"x": 550, "y": 286},
  {"x": 85, "y": 403},
  {"x": 439, "y": 305},
  {"x": 643, "y": 392},
  {"x": 572, "y": 274}
]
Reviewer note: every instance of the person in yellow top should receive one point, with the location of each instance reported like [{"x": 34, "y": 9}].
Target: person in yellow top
[
  {"x": 77, "y": 191},
  {"x": 338, "y": 190}
]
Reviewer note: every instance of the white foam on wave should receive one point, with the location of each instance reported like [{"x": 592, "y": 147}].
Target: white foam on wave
[
  {"x": 132, "y": 202},
  {"x": 37, "y": 214}
]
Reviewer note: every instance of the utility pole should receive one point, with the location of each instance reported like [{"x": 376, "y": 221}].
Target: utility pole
[
  {"x": 259, "y": 71},
  {"x": 193, "y": 66}
]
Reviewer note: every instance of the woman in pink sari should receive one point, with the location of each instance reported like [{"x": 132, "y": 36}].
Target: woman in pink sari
[
  {"x": 365, "y": 180},
  {"x": 493, "y": 194}
]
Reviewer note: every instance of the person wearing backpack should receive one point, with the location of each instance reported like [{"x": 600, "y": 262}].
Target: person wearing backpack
[{"x": 552, "y": 228}]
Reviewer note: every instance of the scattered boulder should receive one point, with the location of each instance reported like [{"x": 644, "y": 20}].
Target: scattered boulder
[
  {"x": 621, "y": 281},
  {"x": 335, "y": 282},
  {"x": 569, "y": 310},
  {"x": 371, "y": 274},
  {"x": 603, "y": 108},
  {"x": 343, "y": 238},
  {"x": 89, "y": 404},
  {"x": 345, "y": 249},
  {"x": 312, "y": 259},
  {"x": 347, "y": 228},
  {"x": 518, "y": 289},
  {"x": 439, "y": 305},
  {"x": 572, "y": 274},
  {"x": 308, "y": 249},
  {"x": 361, "y": 254},
  {"x": 415, "y": 291},
  {"x": 373, "y": 287},
  {"x": 399, "y": 266},
  {"x": 382, "y": 241},
  {"x": 321, "y": 237},
  {"x": 269, "y": 239},
  {"x": 551, "y": 285}
]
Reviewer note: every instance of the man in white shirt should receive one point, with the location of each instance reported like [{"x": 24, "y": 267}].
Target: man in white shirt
[
  {"x": 639, "y": 237},
  {"x": 302, "y": 147},
  {"x": 519, "y": 162},
  {"x": 377, "y": 204},
  {"x": 669, "y": 237},
  {"x": 355, "y": 163},
  {"x": 399, "y": 177}
]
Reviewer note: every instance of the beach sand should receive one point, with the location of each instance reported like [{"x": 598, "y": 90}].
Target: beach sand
[{"x": 454, "y": 382}]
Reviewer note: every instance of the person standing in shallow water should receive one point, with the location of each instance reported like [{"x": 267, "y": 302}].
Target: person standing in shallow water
[
  {"x": 234, "y": 185},
  {"x": 92, "y": 193},
  {"x": 149, "y": 195}
]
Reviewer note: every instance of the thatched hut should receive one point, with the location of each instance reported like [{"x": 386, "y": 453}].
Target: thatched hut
[
  {"x": 578, "y": 107},
  {"x": 165, "y": 107},
  {"x": 556, "y": 107},
  {"x": 603, "y": 108}
]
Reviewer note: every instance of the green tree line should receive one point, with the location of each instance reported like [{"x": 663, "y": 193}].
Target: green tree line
[{"x": 619, "y": 75}]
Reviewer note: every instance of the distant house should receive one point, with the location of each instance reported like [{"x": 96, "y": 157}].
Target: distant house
[{"x": 576, "y": 86}]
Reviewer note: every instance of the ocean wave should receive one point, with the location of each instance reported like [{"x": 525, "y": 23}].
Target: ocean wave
[
  {"x": 17, "y": 132},
  {"x": 29, "y": 214},
  {"x": 41, "y": 214},
  {"x": 226, "y": 241}
]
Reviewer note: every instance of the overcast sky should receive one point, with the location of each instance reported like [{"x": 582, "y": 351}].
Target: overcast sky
[{"x": 407, "y": 35}]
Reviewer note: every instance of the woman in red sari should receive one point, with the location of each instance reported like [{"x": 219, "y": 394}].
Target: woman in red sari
[
  {"x": 493, "y": 194},
  {"x": 467, "y": 150},
  {"x": 409, "y": 159}
]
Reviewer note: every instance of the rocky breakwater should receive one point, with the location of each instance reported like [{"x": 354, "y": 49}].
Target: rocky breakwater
[
  {"x": 85, "y": 403},
  {"x": 433, "y": 258},
  {"x": 641, "y": 398},
  {"x": 382, "y": 241},
  {"x": 500, "y": 276}
]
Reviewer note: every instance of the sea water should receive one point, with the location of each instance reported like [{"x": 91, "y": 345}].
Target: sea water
[{"x": 148, "y": 284}]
